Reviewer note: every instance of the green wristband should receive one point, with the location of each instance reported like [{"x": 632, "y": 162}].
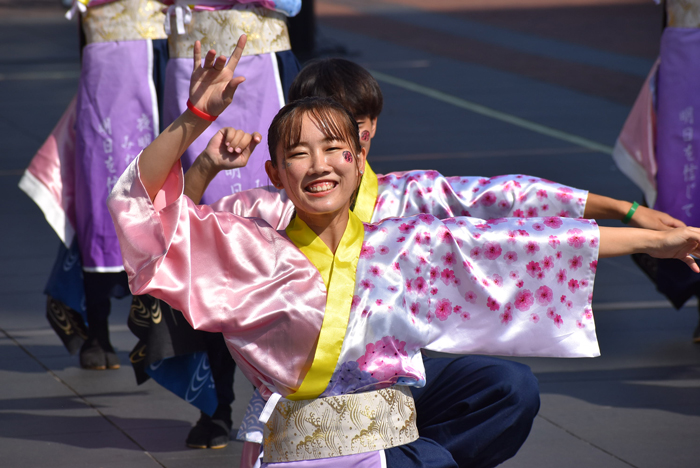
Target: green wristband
[{"x": 630, "y": 213}]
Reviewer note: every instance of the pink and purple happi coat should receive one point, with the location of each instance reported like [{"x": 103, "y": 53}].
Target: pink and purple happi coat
[{"x": 509, "y": 286}]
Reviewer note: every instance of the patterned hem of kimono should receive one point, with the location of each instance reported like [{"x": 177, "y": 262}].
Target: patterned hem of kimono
[
  {"x": 117, "y": 116},
  {"x": 255, "y": 104}
]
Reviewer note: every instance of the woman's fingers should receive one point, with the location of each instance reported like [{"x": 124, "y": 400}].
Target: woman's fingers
[
  {"x": 220, "y": 63},
  {"x": 209, "y": 59},
  {"x": 197, "y": 56},
  {"x": 237, "y": 52}
]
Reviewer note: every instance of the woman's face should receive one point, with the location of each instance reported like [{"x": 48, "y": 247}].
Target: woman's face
[{"x": 319, "y": 174}]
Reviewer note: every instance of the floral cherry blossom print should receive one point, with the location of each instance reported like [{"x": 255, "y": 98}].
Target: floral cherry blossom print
[
  {"x": 510, "y": 257},
  {"x": 415, "y": 308},
  {"x": 475, "y": 253},
  {"x": 383, "y": 250},
  {"x": 551, "y": 312},
  {"x": 593, "y": 265},
  {"x": 497, "y": 279},
  {"x": 448, "y": 277},
  {"x": 366, "y": 284},
  {"x": 470, "y": 296},
  {"x": 367, "y": 251},
  {"x": 449, "y": 259},
  {"x": 492, "y": 250},
  {"x": 554, "y": 242},
  {"x": 558, "y": 321},
  {"x": 421, "y": 286},
  {"x": 492, "y": 304},
  {"x": 385, "y": 359},
  {"x": 375, "y": 270},
  {"x": 533, "y": 268},
  {"x": 506, "y": 317},
  {"x": 561, "y": 276},
  {"x": 575, "y": 239},
  {"x": 443, "y": 309},
  {"x": 573, "y": 285},
  {"x": 532, "y": 248},
  {"x": 535, "y": 318},
  {"x": 547, "y": 262},
  {"x": 524, "y": 300},
  {"x": 576, "y": 262},
  {"x": 538, "y": 227},
  {"x": 544, "y": 295},
  {"x": 564, "y": 194}
]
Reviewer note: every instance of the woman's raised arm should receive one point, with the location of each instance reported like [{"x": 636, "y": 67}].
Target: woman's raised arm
[{"x": 212, "y": 87}]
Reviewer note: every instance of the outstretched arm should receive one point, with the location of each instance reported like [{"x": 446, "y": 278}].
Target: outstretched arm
[
  {"x": 211, "y": 90},
  {"x": 678, "y": 243},
  {"x": 600, "y": 207},
  {"x": 228, "y": 149}
]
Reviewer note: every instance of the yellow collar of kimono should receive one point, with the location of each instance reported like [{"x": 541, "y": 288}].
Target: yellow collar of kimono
[
  {"x": 366, "y": 195},
  {"x": 338, "y": 273}
]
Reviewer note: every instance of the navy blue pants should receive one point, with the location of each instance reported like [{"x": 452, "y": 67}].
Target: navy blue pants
[{"x": 475, "y": 411}]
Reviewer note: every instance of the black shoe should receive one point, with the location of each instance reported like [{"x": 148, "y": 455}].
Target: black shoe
[
  {"x": 220, "y": 434},
  {"x": 111, "y": 358},
  {"x": 92, "y": 356},
  {"x": 198, "y": 437},
  {"x": 209, "y": 433}
]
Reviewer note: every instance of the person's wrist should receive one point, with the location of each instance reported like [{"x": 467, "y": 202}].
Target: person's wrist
[
  {"x": 630, "y": 212},
  {"x": 200, "y": 113}
]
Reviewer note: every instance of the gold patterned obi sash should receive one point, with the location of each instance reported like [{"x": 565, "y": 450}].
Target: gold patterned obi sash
[
  {"x": 683, "y": 13},
  {"x": 124, "y": 20},
  {"x": 340, "y": 425},
  {"x": 220, "y": 30}
]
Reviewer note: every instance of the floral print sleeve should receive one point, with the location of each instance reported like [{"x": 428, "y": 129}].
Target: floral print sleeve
[
  {"x": 519, "y": 287},
  {"x": 519, "y": 196}
]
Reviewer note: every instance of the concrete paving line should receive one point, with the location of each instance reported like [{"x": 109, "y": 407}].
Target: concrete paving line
[
  {"x": 27, "y": 332},
  {"x": 43, "y": 75},
  {"x": 585, "y": 441},
  {"x": 492, "y": 113},
  {"x": 81, "y": 397}
]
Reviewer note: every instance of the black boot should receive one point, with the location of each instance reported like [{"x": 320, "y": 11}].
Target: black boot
[
  {"x": 211, "y": 431},
  {"x": 98, "y": 306}
]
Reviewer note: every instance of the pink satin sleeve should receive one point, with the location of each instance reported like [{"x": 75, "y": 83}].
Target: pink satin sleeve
[
  {"x": 267, "y": 203},
  {"x": 226, "y": 274}
]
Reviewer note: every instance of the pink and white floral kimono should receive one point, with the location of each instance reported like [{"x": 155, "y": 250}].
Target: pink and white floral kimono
[{"x": 516, "y": 286}]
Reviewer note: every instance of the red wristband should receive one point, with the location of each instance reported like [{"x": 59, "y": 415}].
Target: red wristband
[{"x": 199, "y": 113}]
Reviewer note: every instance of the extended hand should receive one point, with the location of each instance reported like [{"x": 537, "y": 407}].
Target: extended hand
[
  {"x": 230, "y": 148},
  {"x": 212, "y": 85},
  {"x": 651, "y": 219},
  {"x": 678, "y": 243}
]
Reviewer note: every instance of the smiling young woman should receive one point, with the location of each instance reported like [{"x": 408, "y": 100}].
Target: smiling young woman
[
  {"x": 334, "y": 308},
  {"x": 318, "y": 160}
]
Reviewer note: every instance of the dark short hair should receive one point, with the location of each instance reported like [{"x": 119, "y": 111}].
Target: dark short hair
[
  {"x": 342, "y": 80},
  {"x": 332, "y": 119}
]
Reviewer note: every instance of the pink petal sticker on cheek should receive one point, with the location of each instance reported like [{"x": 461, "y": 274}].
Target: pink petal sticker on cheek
[
  {"x": 347, "y": 155},
  {"x": 364, "y": 136}
]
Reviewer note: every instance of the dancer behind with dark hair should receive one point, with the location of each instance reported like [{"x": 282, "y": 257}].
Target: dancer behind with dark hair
[{"x": 329, "y": 315}]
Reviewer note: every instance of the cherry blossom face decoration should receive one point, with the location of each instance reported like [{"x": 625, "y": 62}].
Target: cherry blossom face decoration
[
  {"x": 364, "y": 135},
  {"x": 347, "y": 155}
]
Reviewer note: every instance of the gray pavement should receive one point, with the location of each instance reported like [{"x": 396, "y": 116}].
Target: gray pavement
[{"x": 637, "y": 405}]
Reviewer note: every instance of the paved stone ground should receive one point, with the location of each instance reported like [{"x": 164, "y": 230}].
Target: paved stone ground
[{"x": 571, "y": 65}]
